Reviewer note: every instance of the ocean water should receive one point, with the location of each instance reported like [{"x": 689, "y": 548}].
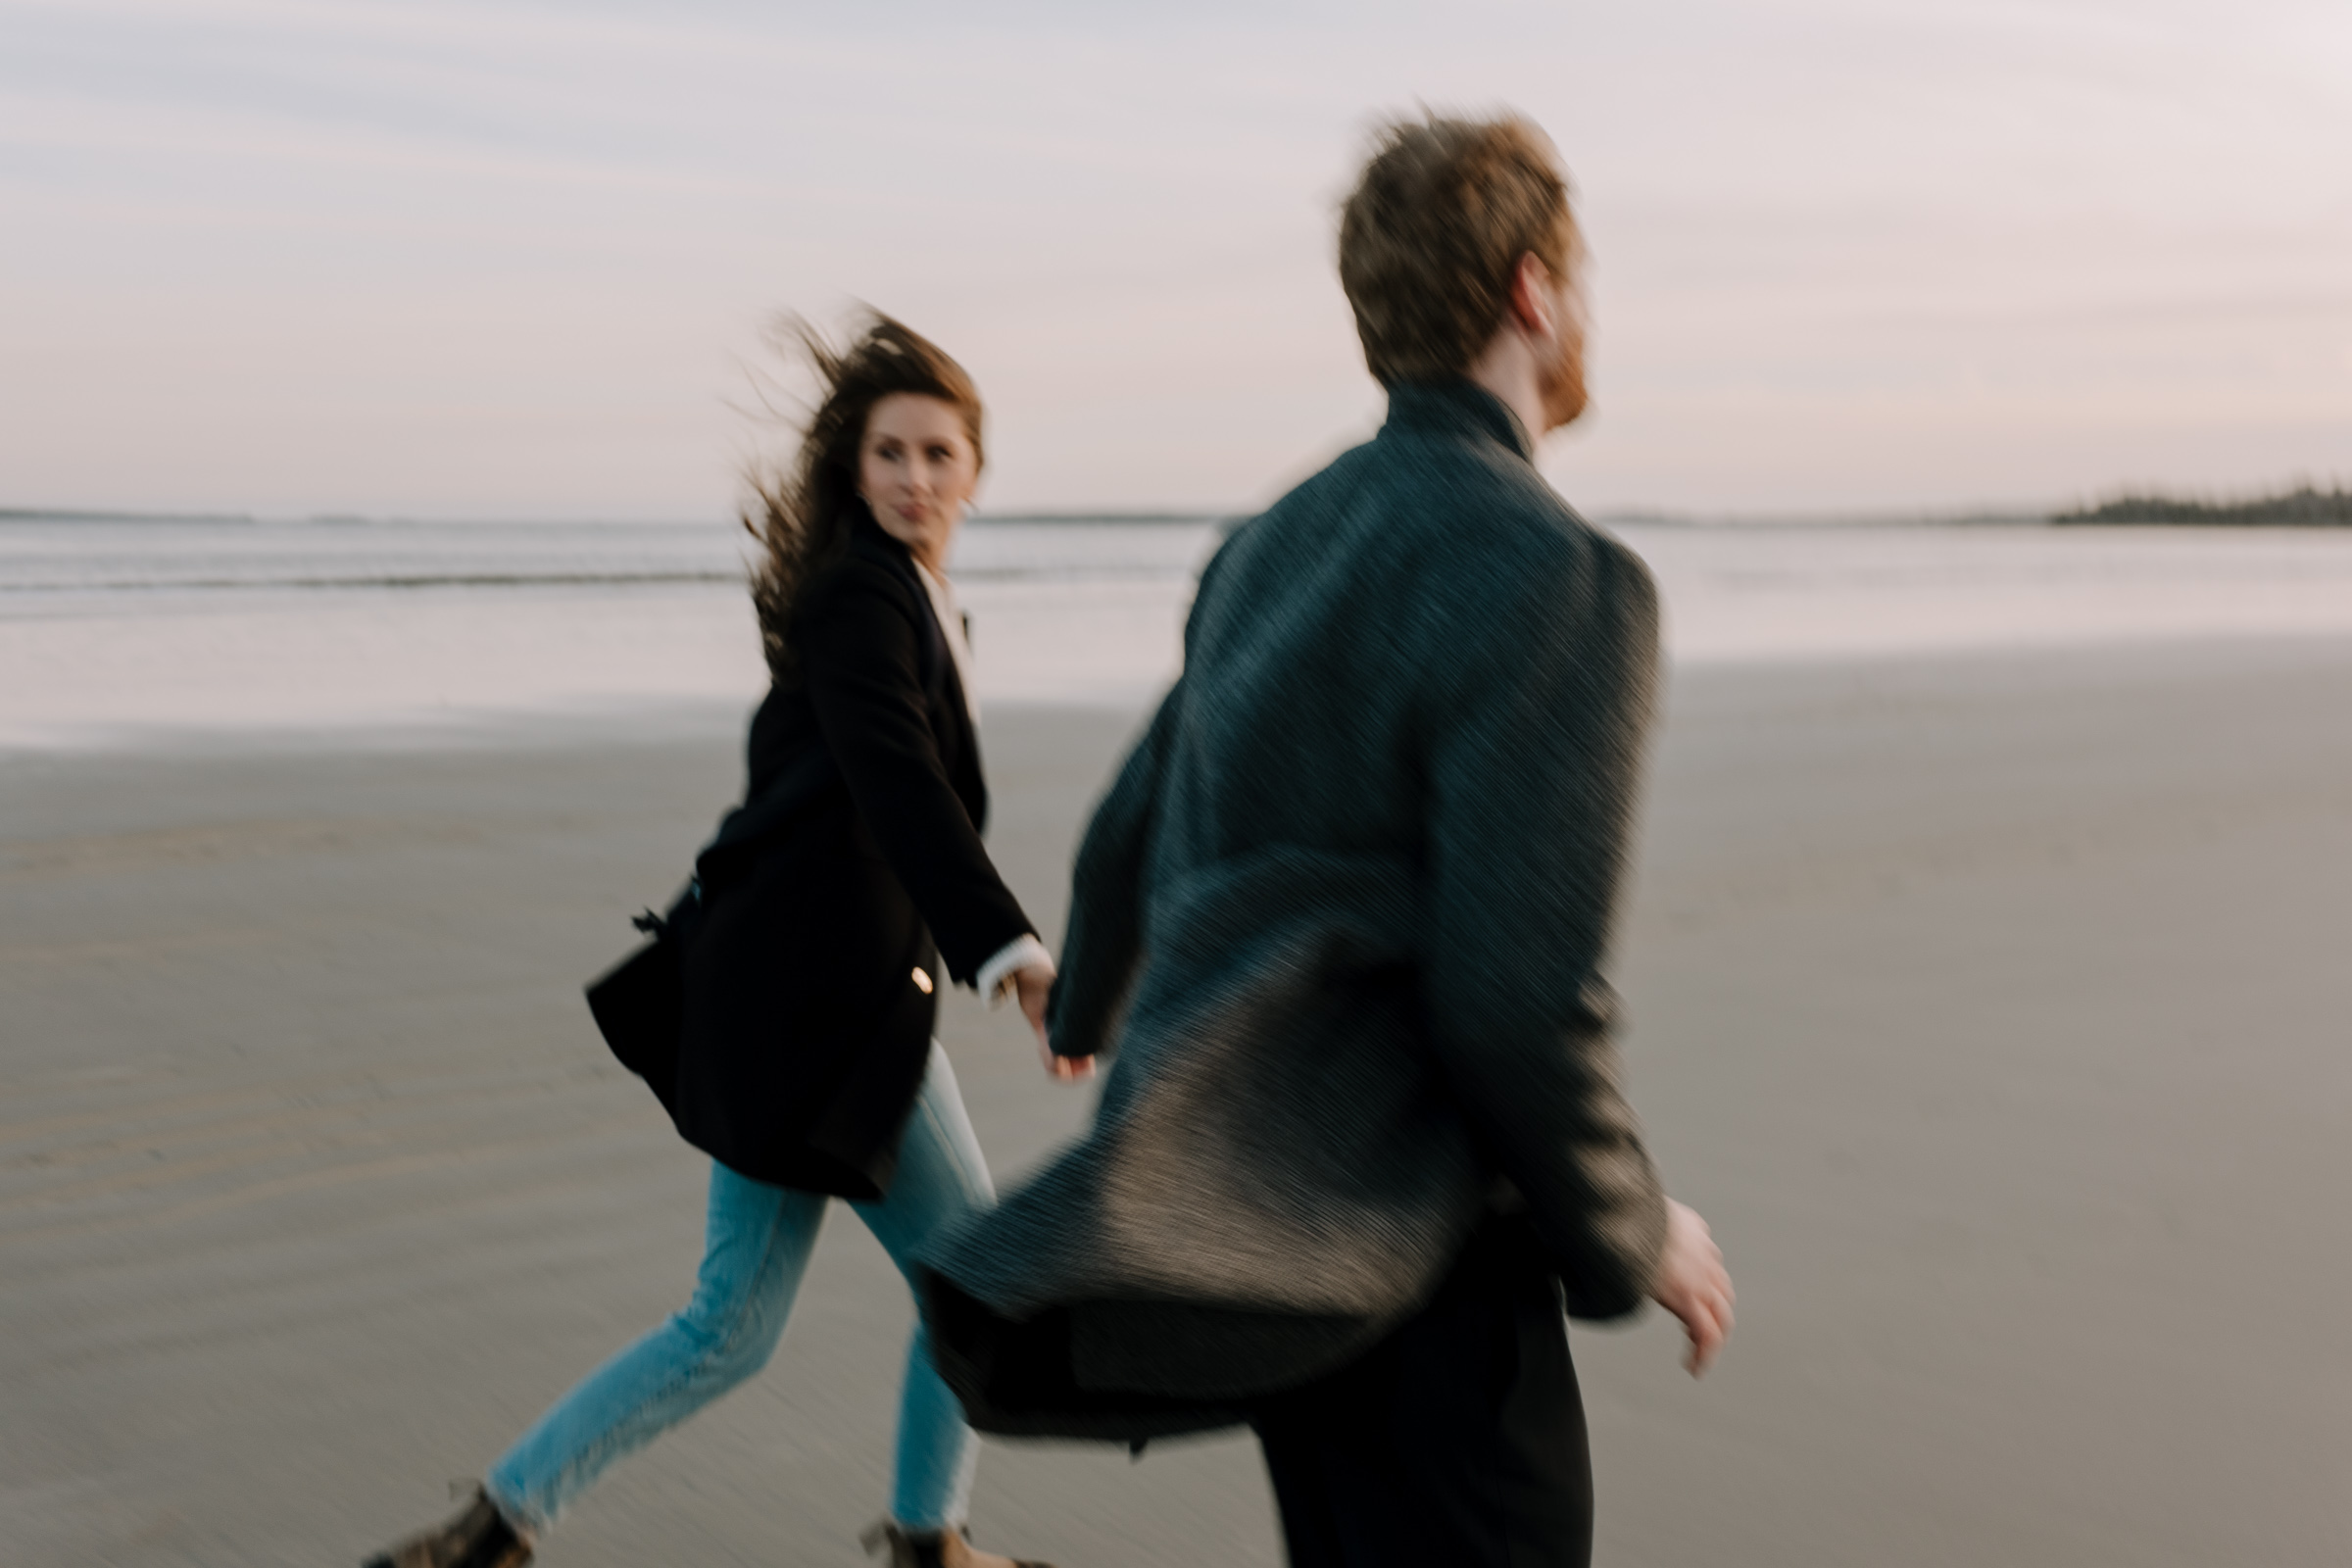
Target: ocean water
[{"x": 122, "y": 633}]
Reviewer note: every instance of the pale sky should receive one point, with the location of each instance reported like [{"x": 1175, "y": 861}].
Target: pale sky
[{"x": 505, "y": 259}]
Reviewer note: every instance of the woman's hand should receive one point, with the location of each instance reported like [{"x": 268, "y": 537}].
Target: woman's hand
[
  {"x": 1694, "y": 1284},
  {"x": 1032, "y": 984}
]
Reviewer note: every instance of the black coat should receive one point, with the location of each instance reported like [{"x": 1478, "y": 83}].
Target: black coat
[
  {"x": 1343, "y": 916},
  {"x": 854, "y": 861}
]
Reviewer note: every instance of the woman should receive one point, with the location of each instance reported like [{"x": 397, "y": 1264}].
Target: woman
[{"x": 822, "y": 912}]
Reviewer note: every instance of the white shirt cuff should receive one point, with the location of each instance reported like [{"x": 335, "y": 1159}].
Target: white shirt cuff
[{"x": 995, "y": 980}]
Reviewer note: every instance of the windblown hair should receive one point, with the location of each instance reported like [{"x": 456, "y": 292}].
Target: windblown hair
[
  {"x": 1431, "y": 238},
  {"x": 802, "y": 516}
]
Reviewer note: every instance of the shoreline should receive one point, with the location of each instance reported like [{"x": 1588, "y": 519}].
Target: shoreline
[{"x": 655, "y": 720}]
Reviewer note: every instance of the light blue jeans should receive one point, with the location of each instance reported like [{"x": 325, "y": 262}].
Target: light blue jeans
[{"x": 758, "y": 1242}]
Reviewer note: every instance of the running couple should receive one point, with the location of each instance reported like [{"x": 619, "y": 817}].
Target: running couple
[{"x": 1342, "y": 917}]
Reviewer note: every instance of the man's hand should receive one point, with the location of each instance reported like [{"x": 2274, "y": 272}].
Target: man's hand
[
  {"x": 1032, "y": 984},
  {"x": 1694, "y": 1284}
]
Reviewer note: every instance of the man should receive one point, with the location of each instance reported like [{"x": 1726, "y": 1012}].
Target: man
[{"x": 1342, "y": 916}]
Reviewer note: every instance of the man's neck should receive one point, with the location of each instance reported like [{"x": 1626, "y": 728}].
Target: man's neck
[{"x": 1508, "y": 371}]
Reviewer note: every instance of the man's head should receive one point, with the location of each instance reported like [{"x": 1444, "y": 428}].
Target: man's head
[{"x": 1458, "y": 242}]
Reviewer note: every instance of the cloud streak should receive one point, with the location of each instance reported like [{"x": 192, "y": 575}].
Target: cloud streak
[{"x": 504, "y": 259}]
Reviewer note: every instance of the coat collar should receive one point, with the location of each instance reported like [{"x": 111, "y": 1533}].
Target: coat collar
[
  {"x": 1460, "y": 408},
  {"x": 878, "y": 544},
  {"x": 871, "y": 536}
]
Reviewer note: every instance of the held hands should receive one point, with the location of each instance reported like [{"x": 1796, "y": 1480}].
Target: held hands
[
  {"x": 1694, "y": 1284},
  {"x": 1032, "y": 984}
]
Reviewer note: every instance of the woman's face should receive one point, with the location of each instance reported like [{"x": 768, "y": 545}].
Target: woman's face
[{"x": 917, "y": 469}]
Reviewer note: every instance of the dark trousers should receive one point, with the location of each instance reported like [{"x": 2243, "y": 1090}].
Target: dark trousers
[{"x": 1458, "y": 1442}]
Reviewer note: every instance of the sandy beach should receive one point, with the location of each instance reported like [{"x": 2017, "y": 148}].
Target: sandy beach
[{"x": 1991, "y": 1006}]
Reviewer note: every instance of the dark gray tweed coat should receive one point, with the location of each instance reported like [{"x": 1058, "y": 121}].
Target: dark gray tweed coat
[{"x": 1343, "y": 919}]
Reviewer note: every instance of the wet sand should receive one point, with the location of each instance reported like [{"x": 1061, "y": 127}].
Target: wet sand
[{"x": 1992, "y": 1008}]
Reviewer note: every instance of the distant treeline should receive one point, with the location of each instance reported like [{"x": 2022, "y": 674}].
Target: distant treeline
[
  {"x": 68, "y": 514},
  {"x": 2305, "y": 508}
]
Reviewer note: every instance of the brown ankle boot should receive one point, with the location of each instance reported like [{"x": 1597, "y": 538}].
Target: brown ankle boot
[
  {"x": 477, "y": 1537},
  {"x": 936, "y": 1549}
]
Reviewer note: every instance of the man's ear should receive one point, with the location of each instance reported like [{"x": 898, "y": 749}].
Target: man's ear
[{"x": 1532, "y": 301}]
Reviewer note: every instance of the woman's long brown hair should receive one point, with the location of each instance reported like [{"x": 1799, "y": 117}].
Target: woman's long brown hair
[{"x": 802, "y": 516}]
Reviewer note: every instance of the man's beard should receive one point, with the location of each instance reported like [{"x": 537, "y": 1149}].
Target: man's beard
[{"x": 1561, "y": 384}]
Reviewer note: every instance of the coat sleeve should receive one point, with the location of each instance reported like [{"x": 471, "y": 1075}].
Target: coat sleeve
[
  {"x": 1535, "y": 746},
  {"x": 862, "y": 659},
  {"x": 1105, "y": 944},
  {"x": 1104, "y": 948}
]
